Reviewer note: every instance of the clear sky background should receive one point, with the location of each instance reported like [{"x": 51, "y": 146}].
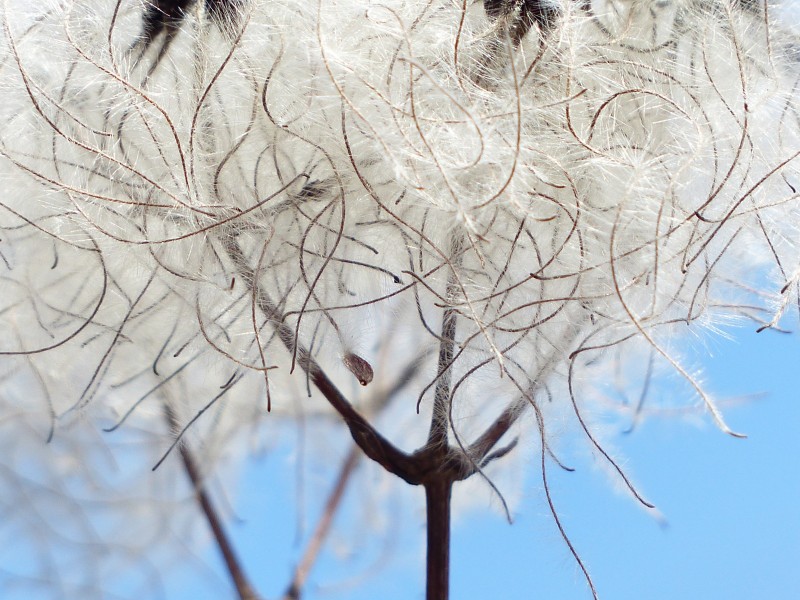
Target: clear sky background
[{"x": 732, "y": 510}]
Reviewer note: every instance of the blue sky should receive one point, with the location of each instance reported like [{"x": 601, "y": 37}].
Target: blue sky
[{"x": 732, "y": 513}]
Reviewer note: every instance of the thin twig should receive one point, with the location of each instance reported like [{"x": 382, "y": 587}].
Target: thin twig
[
  {"x": 244, "y": 589},
  {"x": 303, "y": 568}
]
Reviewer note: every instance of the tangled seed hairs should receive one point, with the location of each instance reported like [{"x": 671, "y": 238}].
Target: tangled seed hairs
[{"x": 202, "y": 197}]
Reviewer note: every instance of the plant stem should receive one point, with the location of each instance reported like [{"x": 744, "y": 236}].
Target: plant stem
[
  {"x": 374, "y": 445},
  {"x": 437, "y": 501},
  {"x": 244, "y": 589},
  {"x": 435, "y": 466},
  {"x": 323, "y": 527}
]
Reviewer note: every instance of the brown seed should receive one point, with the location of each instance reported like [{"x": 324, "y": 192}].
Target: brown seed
[{"x": 358, "y": 367}]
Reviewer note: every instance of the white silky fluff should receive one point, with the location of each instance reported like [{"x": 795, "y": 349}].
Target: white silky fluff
[{"x": 601, "y": 184}]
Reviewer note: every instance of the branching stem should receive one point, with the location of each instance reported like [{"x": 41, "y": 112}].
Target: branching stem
[{"x": 436, "y": 466}]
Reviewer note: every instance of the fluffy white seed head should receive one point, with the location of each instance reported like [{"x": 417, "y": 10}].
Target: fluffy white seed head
[{"x": 577, "y": 181}]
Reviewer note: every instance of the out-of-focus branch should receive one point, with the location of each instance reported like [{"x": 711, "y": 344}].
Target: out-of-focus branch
[
  {"x": 303, "y": 568},
  {"x": 244, "y": 589}
]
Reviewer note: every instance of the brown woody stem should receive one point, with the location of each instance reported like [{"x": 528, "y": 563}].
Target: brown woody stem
[
  {"x": 436, "y": 466},
  {"x": 437, "y": 501}
]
